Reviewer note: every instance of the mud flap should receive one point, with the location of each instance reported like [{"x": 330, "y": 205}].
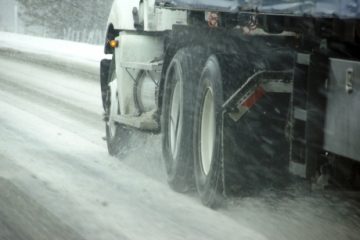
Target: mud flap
[
  {"x": 255, "y": 150},
  {"x": 104, "y": 78}
]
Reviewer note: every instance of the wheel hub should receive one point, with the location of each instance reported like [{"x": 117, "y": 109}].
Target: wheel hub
[
  {"x": 208, "y": 131},
  {"x": 175, "y": 119}
]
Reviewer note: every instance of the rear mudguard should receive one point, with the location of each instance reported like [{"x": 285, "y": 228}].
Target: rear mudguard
[{"x": 255, "y": 152}]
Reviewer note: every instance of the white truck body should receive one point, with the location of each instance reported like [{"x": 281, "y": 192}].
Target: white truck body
[{"x": 153, "y": 19}]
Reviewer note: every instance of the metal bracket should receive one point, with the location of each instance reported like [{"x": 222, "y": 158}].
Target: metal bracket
[
  {"x": 324, "y": 45},
  {"x": 349, "y": 80},
  {"x": 300, "y": 114},
  {"x": 303, "y": 59},
  {"x": 254, "y": 88}
]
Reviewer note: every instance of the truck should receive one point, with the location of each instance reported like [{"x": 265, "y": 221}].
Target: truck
[{"x": 242, "y": 92}]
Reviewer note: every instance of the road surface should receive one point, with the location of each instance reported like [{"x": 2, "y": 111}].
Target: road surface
[{"x": 58, "y": 182}]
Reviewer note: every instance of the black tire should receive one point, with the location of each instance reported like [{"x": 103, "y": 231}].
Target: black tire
[
  {"x": 177, "y": 153},
  {"x": 116, "y": 140},
  {"x": 209, "y": 182}
]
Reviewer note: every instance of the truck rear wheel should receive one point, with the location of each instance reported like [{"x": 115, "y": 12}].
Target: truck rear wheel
[
  {"x": 207, "y": 132},
  {"x": 181, "y": 82},
  {"x": 116, "y": 134}
]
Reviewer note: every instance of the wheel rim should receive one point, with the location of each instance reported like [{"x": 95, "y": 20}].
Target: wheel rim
[
  {"x": 113, "y": 108},
  {"x": 175, "y": 123},
  {"x": 208, "y": 131}
]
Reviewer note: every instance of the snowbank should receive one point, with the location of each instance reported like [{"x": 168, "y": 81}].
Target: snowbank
[{"x": 71, "y": 55}]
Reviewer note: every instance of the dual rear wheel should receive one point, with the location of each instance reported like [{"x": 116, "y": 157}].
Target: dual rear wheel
[{"x": 192, "y": 124}]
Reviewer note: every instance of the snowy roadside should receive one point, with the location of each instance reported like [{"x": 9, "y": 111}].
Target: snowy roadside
[{"x": 70, "y": 56}]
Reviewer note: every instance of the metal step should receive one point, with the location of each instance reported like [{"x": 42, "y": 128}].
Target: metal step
[
  {"x": 297, "y": 169},
  {"x": 300, "y": 114},
  {"x": 152, "y": 66},
  {"x": 145, "y": 121}
]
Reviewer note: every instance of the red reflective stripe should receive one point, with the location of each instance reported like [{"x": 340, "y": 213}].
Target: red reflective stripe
[{"x": 256, "y": 96}]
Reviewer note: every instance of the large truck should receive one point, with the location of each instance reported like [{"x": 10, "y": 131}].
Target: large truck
[{"x": 242, "y": 92}]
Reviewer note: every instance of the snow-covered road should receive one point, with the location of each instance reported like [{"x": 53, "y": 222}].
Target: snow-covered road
[
  {"x": 51, "y": 149},
  {"x": 58, "y": 182}
]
